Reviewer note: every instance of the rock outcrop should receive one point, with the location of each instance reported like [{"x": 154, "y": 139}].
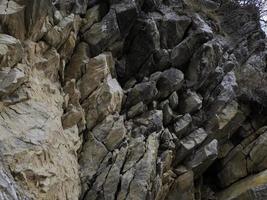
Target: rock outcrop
[{"x": 132, "y": 100}]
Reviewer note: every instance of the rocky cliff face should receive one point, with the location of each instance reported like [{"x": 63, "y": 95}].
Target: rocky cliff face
[{"x": 132, "y": 100}]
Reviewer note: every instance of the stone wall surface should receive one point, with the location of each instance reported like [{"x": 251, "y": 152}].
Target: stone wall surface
[{"x": 132, "y": 100}]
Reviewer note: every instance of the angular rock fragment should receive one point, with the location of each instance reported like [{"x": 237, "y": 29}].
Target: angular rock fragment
[
  {"x": 136, "y": 110},
  {"x": 169, "y": 81},
  {"x": 101, "y": 35},
  {"x": 189, "y": 143},
  {"x": 190, "y": 102},
  {"x": 95, "y": 73},
  {"x": 11, "y": 51},
  {"x": 203, "y": 158},
  {"x": 145, "y": 92},
  {"x": 183, "y": 187},
  {"x": 11, "y": 79},
  {"x": 182, "y": 125},
  {"x": 252, "y": 187},
  {"x": 104, "y": 101}
]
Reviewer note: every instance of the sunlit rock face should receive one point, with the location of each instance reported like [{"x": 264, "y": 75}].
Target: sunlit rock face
[{"x": 132, "y": 100}]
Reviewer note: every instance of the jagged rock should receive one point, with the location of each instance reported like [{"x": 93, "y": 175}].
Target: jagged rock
[
  {"x": 12, "y": 19},
  {"x": 149, "y": 122},
  {"x": 104, "y": 101},
  {"x": 174, "y": 100},
  {"x": 36, "y": 18},
  {"x": 145, "y": 170},
  {"x": 58, "y": 34},
  {"x": 247, "y": 158},
  {"x": 252, "y": 187},
  {"x": 78, "y": 61},
  {"x": 169, "y": 81},
  {"x": 183, "y": 187},
  {"x": 11, "y": 79},
  {"x": 145, "y": 91},
  {"x": 126, "y": 12},
  {"x": 95, "y": 73},
  {"x": 11, "y": 51},
  {"x": 189, "y": 143},
  {"x": 190, "y": 102},
  {"x": 172, "y": 29},
  {"x": 168, "y": 115},
  {"x": 203, "y": 158},
  {"x": 110, "y": 131},
  {"x": 92, "y": 149},
  {"x": 136, "y": 110},
  {"x": 182, "y": 126},
  {"x": 168, "y": 140},
  {"x": 142, "y": 43},
  {"x": 103, "y": 34}
]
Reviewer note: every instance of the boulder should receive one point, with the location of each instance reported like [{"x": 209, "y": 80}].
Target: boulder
[
  {"x": 182, "y": 125},
  {"x": 95, "y": 73},
  {"x": 202, "y": 158},
  {"x": 145, "y": 92},
  {"x": 103, "y": 34},
  {"x": 169, "y": 81},
  {"x": 105, "y": 100},
  {"x": 11, "y": 51},
  {"x": 189, "y": 143},
  {"x": 190, "y": 102},
  {"x": 252, "y": 187}
]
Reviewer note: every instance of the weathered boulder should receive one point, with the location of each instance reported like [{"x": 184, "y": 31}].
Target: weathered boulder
[
  {"x": 145, "y": 91},
  {"x": 190, "y": 102},
  {"x": 103, "y": 34},
  {"x": 103, "y": 101},
  {"x": 189, "y": 143},
  {"x": 169, "y": 81},
  {"x": 11, "y": 51},
  {"x": 252, "y": 187}
]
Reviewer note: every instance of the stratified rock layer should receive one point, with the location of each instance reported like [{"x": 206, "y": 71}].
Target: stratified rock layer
[{"x": 132, "y": 100}]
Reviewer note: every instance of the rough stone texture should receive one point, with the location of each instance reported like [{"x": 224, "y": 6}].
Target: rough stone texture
[{"x": 132, "y": 100}]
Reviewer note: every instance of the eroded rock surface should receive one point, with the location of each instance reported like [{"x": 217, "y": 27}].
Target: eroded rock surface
[{"x": 132, "y": 100}]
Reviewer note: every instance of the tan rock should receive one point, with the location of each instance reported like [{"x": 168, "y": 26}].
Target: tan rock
[
  {"x": 104, "y": 101},
  {"x": 11, "y": 51}
]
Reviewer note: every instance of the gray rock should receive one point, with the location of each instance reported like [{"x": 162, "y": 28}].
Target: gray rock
[
  {"x": 172, "y": 29},
  {"x": 145, "y": 92},
  {"x": 136, "y": 110},
  {"x": 174, "y": 100},
  {"x": 182, "y": 126},
  {"x": 169, "y": 81},
  {"x": 189, "y": 143},
  {"x": 143, "y": 40},
  {"x": 111, "y": 131},
  {"x": 183, "y": 187},
  {"x": 101, "y": 35},
  {"x": 190, "y": 102},
  {"x": 202, "y": 158}
]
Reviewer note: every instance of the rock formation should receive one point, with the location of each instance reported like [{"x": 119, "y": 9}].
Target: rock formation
[{"x": 132, "y": 100}]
